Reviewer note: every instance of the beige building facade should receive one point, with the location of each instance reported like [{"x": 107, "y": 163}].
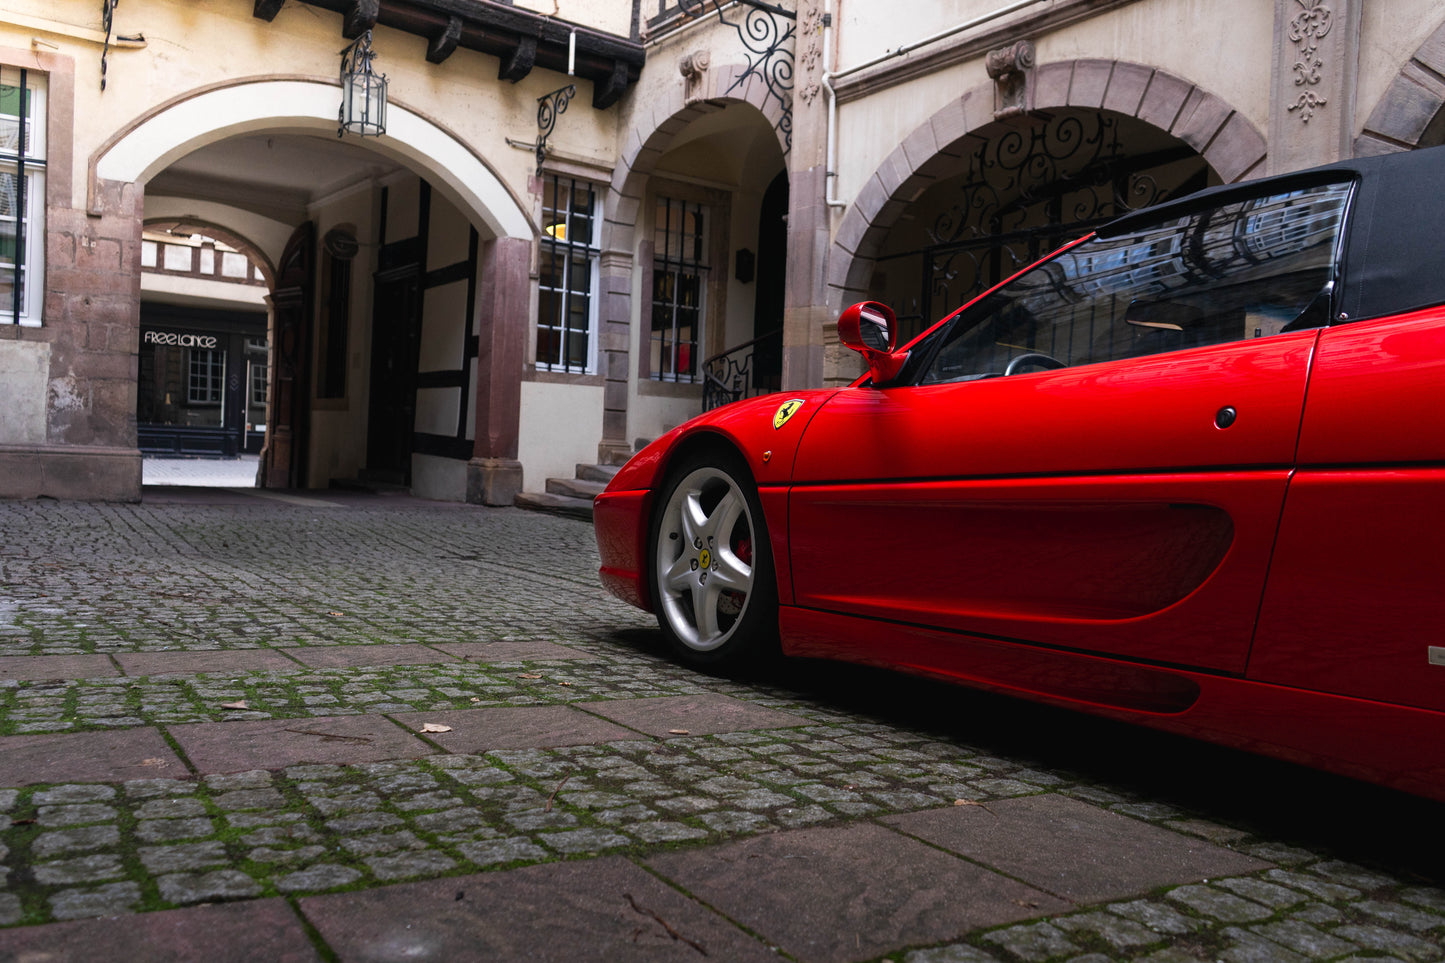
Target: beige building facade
[{"x": 586, "y": 219}]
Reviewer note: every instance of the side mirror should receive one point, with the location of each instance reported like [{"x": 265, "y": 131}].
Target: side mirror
[{"x": 871, "y": 329}]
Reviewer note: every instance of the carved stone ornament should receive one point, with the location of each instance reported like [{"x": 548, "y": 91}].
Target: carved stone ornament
[
  {"x": 1306, "y": 30},
  {"x": 693, "y": 68},
  {"x": 1011, "y": 68}
]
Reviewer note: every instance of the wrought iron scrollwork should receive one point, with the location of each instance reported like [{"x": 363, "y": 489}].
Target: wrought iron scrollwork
[
  {"x": 738, "y": 372},
  {"x": 767, "y": 33},
  {"x": 107, "y": 18},
  {"x": 1078, "y": 156},
  {"x": 1034, "y": 186},
  {"x": 549, "y": 108}
]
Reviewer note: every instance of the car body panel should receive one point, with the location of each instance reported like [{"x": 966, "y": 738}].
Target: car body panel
[
  {"x": 1355, "y": 603},
  {"x": 620, "y": 521},
  {"x": 1398, "y": 746},
  {"x": 1376, "y": 393},
  {"x": 755, "y": 429},
  {"x": 1161, "y": 567},
  {"x": 1138, "y": 527},
  {"x": 1154, "y": 413}
]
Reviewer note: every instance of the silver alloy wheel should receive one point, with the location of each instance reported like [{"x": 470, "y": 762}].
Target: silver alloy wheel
[{"x": 704, "y": 558}]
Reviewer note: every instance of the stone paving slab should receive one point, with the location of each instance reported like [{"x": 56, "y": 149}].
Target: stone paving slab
[
  {"x": 342, "y": 656},
  {"x": 1355, "y": 872},
  {"x": 264, "y": 929},
  {"x": 87, "y": 757},
  {"x": 217, "y": 747},
  {"x": 697, "y": 715},
  {"x": 830, "y": 895},
  {"x": 1068, "y": 847},
  {"x": 191, "y": 663},
  {"x": 521, "y": 650},
  {"x": 520, "y": 727},
  {"x": 32, "y": 668},
  {"x": 598, "y": 910}
]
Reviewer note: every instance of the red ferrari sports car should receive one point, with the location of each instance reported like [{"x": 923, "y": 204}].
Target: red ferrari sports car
[{"x": 1187, "y": 471}]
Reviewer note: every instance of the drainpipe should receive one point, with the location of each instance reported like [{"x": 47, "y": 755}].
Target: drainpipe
[
  {"x": 829, "y": 75},
  {"x": 830, "y": 174}
]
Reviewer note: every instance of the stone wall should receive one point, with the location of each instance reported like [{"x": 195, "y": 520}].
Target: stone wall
[{"x": 70, "y": 387}]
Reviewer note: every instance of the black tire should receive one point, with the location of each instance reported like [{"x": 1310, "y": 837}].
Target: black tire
[{"x": 710, "y": 570}]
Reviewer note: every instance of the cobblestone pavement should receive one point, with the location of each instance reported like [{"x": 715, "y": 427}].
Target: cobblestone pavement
[{"x": 217, "y": 704}]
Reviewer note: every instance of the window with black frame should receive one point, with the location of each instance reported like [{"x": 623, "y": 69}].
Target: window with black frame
[
  {"x": 1244, "y": 269},
  {"x": 567, "y": 282}
]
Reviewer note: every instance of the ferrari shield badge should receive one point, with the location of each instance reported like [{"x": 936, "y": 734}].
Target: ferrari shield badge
[{"x": 785, "y": 411}]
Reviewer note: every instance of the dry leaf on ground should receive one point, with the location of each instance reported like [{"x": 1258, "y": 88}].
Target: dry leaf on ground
[
  {"x": 972, "y": 802},
  {"x": 435, "y": 727},
  {"x": 238, "y": 704}
]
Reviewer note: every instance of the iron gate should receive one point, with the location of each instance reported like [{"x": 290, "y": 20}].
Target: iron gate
[{"x": 1029, "y": 189}]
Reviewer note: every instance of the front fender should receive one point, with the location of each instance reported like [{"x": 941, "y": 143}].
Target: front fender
[{"x": 764, "y": 430}]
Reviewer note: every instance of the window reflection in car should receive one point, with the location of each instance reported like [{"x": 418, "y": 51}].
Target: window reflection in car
[{"x": 1246, "y": 269}]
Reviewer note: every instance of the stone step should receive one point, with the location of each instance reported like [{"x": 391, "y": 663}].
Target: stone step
[
  {"x": 597, "y": 473},
  {"x": 555, "y": 504},
  {"x": 575, "y": 487}
]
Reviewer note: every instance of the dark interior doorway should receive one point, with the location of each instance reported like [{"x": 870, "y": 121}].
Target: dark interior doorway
[
  {"x": 395, "y": 340},
  {"x": 771, "y": 280},
  {"x": 288, "y": 434}
]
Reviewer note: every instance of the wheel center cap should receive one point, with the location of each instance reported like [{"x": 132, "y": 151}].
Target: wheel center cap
[{"x": 705, "y": 559}]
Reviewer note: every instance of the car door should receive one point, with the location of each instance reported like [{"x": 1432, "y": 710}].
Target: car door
[{"x": 1125, "y": 503}]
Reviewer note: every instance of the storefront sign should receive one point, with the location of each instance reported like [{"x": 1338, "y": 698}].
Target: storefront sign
[{"x": 179, "y": 340}]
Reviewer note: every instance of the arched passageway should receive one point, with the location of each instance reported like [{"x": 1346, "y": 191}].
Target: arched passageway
[
  {"x": 1146, "y": 109},
  {"x": 399, "y": 292}
]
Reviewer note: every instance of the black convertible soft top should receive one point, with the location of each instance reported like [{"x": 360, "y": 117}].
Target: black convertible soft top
[{"x": 1394, "y": 256}]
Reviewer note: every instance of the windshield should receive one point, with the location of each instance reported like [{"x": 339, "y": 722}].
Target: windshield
[{"x": 1246, "y": 269}]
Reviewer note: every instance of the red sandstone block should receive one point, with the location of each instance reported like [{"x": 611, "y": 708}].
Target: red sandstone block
[{"x": 1091, "y": 80}]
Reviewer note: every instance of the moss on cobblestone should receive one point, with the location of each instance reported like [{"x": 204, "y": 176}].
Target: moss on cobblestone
[{"x": 142, "y": 579}]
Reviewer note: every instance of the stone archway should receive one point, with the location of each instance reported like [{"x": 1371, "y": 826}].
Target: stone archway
[
  {"x": 1411, "y": 114},
  {"x": 154, "y": 141},
  {"x": 1228, "y": 142},
  {"x": 441, "y": 160},
  {"x": 238, "y": 240},
  {"x": 263, "y": 237},
  {"x": 708, "y": 90}
]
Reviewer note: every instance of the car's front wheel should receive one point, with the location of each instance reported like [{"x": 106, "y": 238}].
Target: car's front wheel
[{"x": 712, "y": 573}]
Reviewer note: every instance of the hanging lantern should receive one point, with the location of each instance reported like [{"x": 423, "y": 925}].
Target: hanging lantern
[{"x": 363, "y": 91}]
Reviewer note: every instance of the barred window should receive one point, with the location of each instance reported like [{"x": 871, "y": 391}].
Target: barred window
[
  {"x": 679, "y": 283},
  {"x": 22, "y": 195},
  {"x": 567, "y": 282}
]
